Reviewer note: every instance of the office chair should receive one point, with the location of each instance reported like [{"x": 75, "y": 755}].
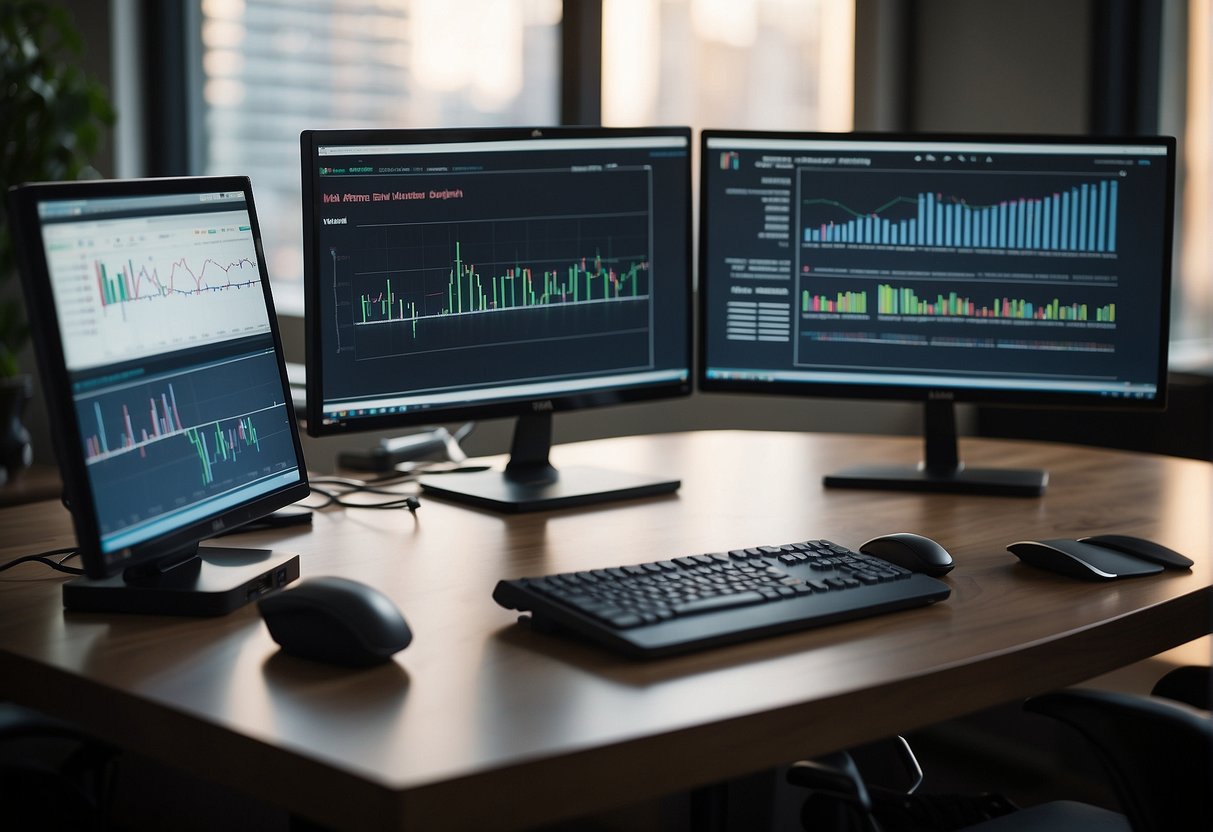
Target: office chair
[
  {"x": 52, "y": 776},
  {"x": 1157, "y": 752}
]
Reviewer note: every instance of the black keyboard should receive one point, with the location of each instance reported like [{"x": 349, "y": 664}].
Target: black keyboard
[{"x": 690, "y": 603}]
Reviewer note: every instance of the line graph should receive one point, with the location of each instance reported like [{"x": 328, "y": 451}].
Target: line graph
[
  {"x": 131, "y": 284},
  {"x": 127, "y": 284}
]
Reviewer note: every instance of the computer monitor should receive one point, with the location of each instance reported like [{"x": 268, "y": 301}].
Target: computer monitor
[
  {"x": 162, "y": 369},
  {"x": 1008, "y": 270},
  {"x": 468, "y": 274}
]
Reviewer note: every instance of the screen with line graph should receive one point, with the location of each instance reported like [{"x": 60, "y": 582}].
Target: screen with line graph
[
  {"x": 1002, "y": 269},
  {"x": 161, "y": 362},
  {"x": 478, "y": 273}
]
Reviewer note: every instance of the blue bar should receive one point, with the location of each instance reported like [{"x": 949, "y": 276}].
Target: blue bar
[
  {"x": 1054, "y": 242},
  {"x": 1082, "y": 219},
  {"x": 1112, "y": 219},
  {"x": 1074, "y": 212},
  {"x": 1065, "y": 222},
  {"x": 1021, "y": 224},
  {"x": 939, "y": 226},
  {"x": 1071, "y": 212},
  {"x": 914, "y": 230},
  {"x": 105, "y": 449},
  {"x": 1001, "y": 229},
  {"x": 922, "y": 207},
  {"x": 1046, "y": 223},
  {"x": 1094, "y": 212},
  {"x": 1101, "y": 237},
  {"x": 968, "y": 223}
]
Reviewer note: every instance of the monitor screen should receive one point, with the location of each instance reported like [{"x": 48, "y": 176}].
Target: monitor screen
[
  {"x": 1030, "y": 270},
  {"x": 465, "y": 274},
  {"x": 160, "y": 361}
]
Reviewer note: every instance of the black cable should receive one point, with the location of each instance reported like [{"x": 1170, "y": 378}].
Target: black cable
[{"x": 45, "y": 558}]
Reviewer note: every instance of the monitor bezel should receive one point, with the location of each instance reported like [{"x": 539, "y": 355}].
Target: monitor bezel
[
  {"x": 923, "y": 393},
  {"x": 55, "y": 377},
  {"x": 311, "y": 140}
]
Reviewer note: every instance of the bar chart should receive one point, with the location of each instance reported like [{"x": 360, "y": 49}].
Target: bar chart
[
  {"x": 893, "y": 300},
  {"x": 1081, "y": 218}
]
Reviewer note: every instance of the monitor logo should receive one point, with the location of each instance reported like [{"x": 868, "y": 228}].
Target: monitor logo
[
  {"x": 941, "y": 395},
  {"x": 218, "y": 525},
  {"x": 543, "y": 406},
  {"x": 536, "y": 134}
]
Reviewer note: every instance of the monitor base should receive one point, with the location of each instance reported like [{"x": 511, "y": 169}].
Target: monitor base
[
  {"x": 1003, "y": 482},
  {"x": 216, "y": 582},
  {"x": 566, "y": 488}
]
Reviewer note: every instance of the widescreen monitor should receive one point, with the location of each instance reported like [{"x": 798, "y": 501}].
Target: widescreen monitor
[
  {"x": 997, "y": 269},
  {"x": 469, "y": 274},
  {"x": 163, "y": 375}
]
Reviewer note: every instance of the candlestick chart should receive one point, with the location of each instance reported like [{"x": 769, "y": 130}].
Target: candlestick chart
[
  {"x": 169, "y": 439},
  {"x": 497, "y": 284}
]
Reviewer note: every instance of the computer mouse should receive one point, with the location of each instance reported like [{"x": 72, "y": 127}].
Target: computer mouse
[
  {"x": 912, "y": 551},
  {"x": 336, "y": 620},
  {"x": 1142, "y": 548},
  {"x": 1081, "y": 560}
]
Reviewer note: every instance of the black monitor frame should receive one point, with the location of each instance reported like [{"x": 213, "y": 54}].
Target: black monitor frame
[
  {"x": 529, "y": 482},
  {"x": 167, "y": 573},
  {"x": 942, "y": 469}
]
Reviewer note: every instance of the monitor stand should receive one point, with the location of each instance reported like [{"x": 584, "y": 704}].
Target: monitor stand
[
  {"x": 203, "y": 580},
  {"x": 531, "y": 483},
  {"x": 942, "y": 469}
]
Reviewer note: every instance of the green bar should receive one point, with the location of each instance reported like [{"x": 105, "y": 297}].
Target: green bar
[{"x": 458, "y": 276}]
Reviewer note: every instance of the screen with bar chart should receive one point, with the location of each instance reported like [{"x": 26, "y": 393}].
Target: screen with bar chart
[
  {"x": 161, "y": 361},
  {"x": 493, "y": 272},
  {"x": 999, "y": 269}
]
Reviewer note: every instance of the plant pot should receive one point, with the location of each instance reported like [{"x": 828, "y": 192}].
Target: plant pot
[{"x": 16, "y": 451}]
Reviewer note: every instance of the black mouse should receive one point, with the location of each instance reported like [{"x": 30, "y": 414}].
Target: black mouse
[
  {"x": 1081, "y": 560},
  {"x": 1142, "y": 548},
  {"x": 912, "y": 551},
  {"x": 336, "y": 620}
]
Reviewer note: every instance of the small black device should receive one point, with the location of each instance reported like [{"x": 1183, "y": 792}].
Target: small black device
[
  {"x": 698, "y": 601},
  {"x": 1085, "y": 561},
  {"x": 1006, "y": 270},
  {"x": 1140, "y": 547},
  {"x": 337, "y": 621},
  {"x": 160, "y": 359},
  {"x": 913, "y": 551},
  {"x": 497, "y": 272}
]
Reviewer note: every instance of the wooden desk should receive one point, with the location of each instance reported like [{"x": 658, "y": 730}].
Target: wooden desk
[{"x": 484, "y": 724}]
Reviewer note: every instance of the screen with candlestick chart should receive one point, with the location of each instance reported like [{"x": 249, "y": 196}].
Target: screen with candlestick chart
[
  {"x": 493, "y": 269},
  {"x": 466, "y": 274},
  {"x": 1001, "y": 269}
]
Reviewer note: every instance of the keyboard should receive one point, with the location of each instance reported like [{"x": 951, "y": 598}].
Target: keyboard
[{"x": 699, "y": 601}]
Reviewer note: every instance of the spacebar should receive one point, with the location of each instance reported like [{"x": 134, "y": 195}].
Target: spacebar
[{"x": 720, "y": 602}]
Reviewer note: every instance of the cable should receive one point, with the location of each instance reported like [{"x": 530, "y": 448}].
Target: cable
[
  {"x": 46, "y": 558},
  {"x": 342, "y": 487}
]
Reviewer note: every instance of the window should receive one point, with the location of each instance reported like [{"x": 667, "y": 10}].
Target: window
[
  {"x": 762, "y": 64},
  {"x": 271, "y": 68},
  {"x": 1193, "y": 319}
]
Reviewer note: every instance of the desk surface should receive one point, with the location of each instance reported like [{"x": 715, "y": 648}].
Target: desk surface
[{"x": 482, "y": 723}]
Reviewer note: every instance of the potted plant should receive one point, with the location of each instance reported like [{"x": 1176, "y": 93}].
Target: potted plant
[{"x": 52, "y": 119}]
